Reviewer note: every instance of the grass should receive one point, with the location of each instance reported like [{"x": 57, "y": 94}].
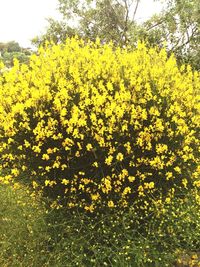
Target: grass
[
  {"x": 31, "y": 234},
  {"x": 23, "y": 231}
]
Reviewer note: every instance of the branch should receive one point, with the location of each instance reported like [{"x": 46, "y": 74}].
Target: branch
[
  {"x": 136, "y": 8},
  {"x": 115, "y": 14},
  {"x": 176, "y": 47},
  {"x": 155, "y": 25},
  {"x": 125, "y": 22}
]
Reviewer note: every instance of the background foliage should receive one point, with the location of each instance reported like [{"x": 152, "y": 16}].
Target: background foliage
[
  {"x": 11, "y": 50},
  {"x": 115, "y": 20}
]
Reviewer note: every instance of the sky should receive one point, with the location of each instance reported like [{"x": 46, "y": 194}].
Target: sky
[{"x": 22, "y": 20}]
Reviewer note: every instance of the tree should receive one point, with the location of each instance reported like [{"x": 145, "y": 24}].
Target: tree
[
  {"x": 110, "y": 20},
  {"x": 114, "y": 20},
  {"x": 179, "y": 26},
  {"x": 11, "y": 50},
  {"x": 56, "y": 32},
  {"x": 13, "y": 46}
]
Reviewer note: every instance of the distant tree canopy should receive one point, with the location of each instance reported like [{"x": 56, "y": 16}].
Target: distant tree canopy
[
  {"x": 179, "y": 26},
  {"x": 115, "y": 20},
  {"x": 11, "y": 50},
  {"x": 110, "y": 20}
]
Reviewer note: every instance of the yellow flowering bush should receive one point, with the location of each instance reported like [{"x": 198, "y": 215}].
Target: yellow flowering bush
[{"x": 93, "y": 125}]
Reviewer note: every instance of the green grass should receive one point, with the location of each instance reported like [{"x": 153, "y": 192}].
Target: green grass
[
  {"x": 31, "y": 234},
  {"x": 23, "y": 231}
]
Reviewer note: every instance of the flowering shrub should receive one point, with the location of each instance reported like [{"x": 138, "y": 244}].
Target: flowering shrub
[{"x": 95, "y": 126}]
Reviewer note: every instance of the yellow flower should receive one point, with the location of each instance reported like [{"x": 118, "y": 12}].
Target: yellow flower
[
  {"x": 56, "y": 165},
  {"x": 89, "y": 147},
  {"x": 169, "y": 175},
  {"x": 65, "y": 182},
  {"x": 161, "y": 148},
  {"x": 168, "y": 200},
  {"x": 95, "y": 164},
  {"x": 111, "y": 204},
  {"x": 36, "y": 149},
  {"x": 89, "y": 208},
  {"x": 109, "y": 160},
  {"x": 131, "y": 179},
  {"x": 49, "y": 151},
  {"x": 16, "y": 186},
  {"x": 49, "y": 183},
  {"x": 126, "y": 191},
  {"x": 95, "y": 196},
  {"x": 35, "y": 184},
  {"x": 149, "y": 185},
  {"x": 120, "y": 157},
  {"x": 15, "y": 172},
  {"x": 184, "y": 182},
  {"x": 177, "y": 169},
  {"x": 45, "y": 157}
]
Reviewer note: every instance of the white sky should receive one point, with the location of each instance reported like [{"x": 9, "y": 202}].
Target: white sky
[{"x": 22, "y": 20}]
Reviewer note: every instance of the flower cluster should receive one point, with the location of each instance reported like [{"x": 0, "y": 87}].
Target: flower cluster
[{"x": 93, "y": 125}]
